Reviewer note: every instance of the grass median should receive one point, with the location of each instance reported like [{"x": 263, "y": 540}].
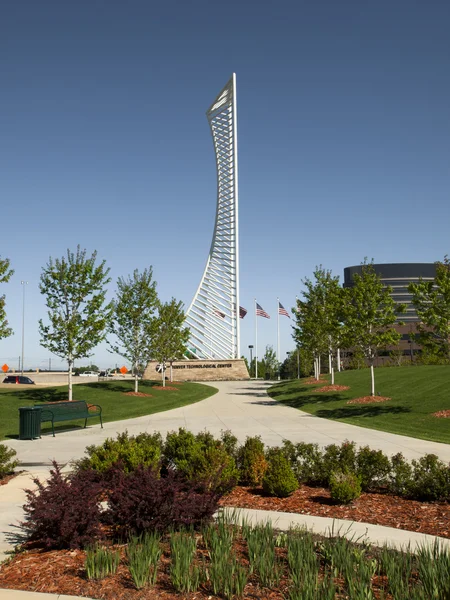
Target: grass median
[
  {"x": 112, "y": 396},
  {"x": 415, "y": 393}
]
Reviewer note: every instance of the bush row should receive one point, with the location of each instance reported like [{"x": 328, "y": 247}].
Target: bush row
[
  {"x": 426, "y": 478},
  {"x": 222, "y": 463},
  {"x": 130, "y": 485}
]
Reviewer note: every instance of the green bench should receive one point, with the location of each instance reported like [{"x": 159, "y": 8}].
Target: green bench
[{"x": 67, "y": 411}]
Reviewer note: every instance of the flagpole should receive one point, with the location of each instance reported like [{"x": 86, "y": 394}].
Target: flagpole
[
  {"x": 256, "y": 343},
  {"x": 278, "y": 337}
]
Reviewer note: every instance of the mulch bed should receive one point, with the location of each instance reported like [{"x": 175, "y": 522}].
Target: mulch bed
[
  {"x": 442, "y": 414},
  {"x": 140, "y": 394},
  {"x": 368, "y": 400},
  {"x": 378, "y": 509},
  {"x": 333, "y": 388},
  {"x": 165, "y": 387},
  {"x": 63, "y": 571},
  {"x": 314, "y": 381},
  {"x": 7, "y": 478}
]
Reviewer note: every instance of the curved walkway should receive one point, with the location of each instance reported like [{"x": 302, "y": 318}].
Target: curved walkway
[
  {"x": 245, "y": 409},
  {"x": 242, "y": 406}
]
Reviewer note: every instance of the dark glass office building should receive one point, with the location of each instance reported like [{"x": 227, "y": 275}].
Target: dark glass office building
[{"x": 398, "y": 276}]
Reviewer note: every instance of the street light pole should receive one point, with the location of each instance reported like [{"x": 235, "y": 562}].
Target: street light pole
[
  {"x": 251, "y": 357},
  {"x": 23, "y": 284}
]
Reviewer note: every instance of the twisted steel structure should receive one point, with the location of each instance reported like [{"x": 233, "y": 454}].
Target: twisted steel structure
[{"x": 213, "y": 316}]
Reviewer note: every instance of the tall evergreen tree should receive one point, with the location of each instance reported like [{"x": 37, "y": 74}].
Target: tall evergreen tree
[
  {"x": 75, "y": 292},
  {"x": 133, "y": 317}
]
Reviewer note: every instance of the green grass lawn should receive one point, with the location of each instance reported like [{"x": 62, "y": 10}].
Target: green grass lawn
[
  {"x": 109, "y": 395},
  {"x": 415, "y": 392}
]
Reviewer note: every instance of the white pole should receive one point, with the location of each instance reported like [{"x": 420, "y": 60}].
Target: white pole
[
  {"x": 24, "y": 283},
  {"x": 278, "y": 338},
  {"x": 256, "y": 343}
]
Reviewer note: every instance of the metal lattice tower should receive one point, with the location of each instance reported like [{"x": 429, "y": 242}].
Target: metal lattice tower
[{"x": 213, "y": 316}]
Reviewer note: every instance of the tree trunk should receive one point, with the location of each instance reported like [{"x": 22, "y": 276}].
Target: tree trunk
[
  {"x": 332, "y": 376},
  {"x": 330, "y": 362},
  {"x": 338, "y": 359},
  {"x": 70, "y": 363},
  {"x": 136, "y": 382},
  {"x": 171, "y": 375},
  {"x": 319, "y": 367},
  {"x": 373, "y": 379},
  {"x": 164, "y": 374}
]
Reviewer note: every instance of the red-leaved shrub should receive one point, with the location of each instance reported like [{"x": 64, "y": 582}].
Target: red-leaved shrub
[
  {"x": 143, "y": 500},
  {"x": 64, "y": 512}
]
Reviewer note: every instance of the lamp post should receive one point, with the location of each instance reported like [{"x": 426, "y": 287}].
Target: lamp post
[
  {"x": 289, "y": 356},
  {"x": 23, "y": 284},
  {"x": 251, "y": 356},
  {"x": 411, "y": 351}
]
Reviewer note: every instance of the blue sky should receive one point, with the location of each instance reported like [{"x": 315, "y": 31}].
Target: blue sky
[{"x": 344, "y": 143}]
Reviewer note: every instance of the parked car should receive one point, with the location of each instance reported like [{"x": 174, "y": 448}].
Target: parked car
[
  {"x": 18, "y": 379},
  {"x": 89, "y": 374},
  {"x": 106, "y": 373}
]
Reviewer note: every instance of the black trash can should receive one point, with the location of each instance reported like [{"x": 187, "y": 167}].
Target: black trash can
[{"x": 29, "y": 422}]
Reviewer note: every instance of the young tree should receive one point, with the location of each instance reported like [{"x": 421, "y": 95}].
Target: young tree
[
  {"x": 319, "y": 317},
  {"x": 270, "y": 361},
  {"x": 5, "y": 275},
  {"x": 369, "y": 315},
  {"x": 133, "y": 317},
  {"x": 432, "y": 303},
  {"x": 169, "y": 337},
  {"x": 74, "y": 287}
]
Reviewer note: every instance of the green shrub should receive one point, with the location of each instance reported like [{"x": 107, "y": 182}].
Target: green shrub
[
  {"x": 344, "y": 486},
  {"x": 279, "y": 479},
  {"x": 251, "y": 461},
  {"x": 230, "y": 443},
  {"x": 179, "y": 448},
  {"x": 338, "y": 458},
  {"x": 430, "y": 479},
  {"x": 306, "y": 462},
  {"x": 143, "y": 450},
  {"x": 7, "y": 464},
  {"x": 400, "y": 476},
  {"x": 373, "y": 468},
  {"x": 201, "y": 458}
]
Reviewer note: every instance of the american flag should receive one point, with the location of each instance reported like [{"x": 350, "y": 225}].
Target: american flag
[
  {"x": 282, "y": 310},
  {"x": 260, "y": 312},
  {"x": 242, "y": 312},
  {"x": 219, "y": 313}
]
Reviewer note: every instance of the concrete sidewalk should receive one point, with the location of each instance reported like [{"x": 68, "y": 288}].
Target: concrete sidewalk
[
  {"x": 242, "y": 406},
  {"x": 245, "y": 409}
]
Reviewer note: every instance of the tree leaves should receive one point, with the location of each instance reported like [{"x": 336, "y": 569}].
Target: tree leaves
[
  {"x": 369, "y": 314},
  {"x": 432, "y": 302},
  {"x": 133, "y": 318},
  {"x": 169, "y": 337},
  {"x": 5, "y": 275},
  {"x": 74, "y": 287}
]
